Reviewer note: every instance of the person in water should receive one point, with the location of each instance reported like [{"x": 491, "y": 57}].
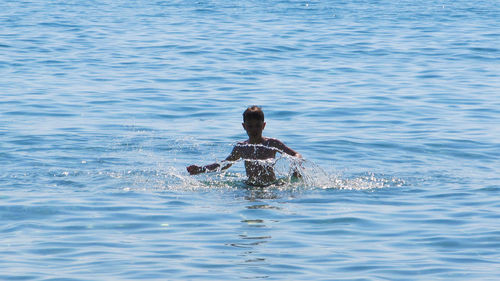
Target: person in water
[{"x": 258, "y": 152}]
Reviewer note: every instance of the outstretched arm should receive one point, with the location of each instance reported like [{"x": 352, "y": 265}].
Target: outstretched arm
[
  {"x": 283, "y": 148},
  {"x": 194, "y": 169}
]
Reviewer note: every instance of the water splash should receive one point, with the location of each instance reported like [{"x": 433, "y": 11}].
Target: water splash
[
  {"x": 313, "y": 176},
  {"x": 293, "y": 174},
  {"x": 368, "y": 181},
  {"x": 147, "y": 161}
]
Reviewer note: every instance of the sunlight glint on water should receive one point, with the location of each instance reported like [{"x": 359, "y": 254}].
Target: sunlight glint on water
[{"x": 392, "y": 104}]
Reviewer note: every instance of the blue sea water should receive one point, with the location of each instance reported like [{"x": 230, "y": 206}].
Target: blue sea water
[{"x": 393, "y": 104}]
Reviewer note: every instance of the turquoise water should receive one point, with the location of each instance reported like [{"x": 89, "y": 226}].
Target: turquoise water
[{"x": 393, "y": 104}]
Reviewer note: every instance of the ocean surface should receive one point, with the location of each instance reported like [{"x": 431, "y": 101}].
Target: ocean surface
[{"x": 395, "y": 106}]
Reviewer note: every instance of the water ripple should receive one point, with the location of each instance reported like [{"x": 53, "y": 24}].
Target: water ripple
[{"x": 394, "y": 108}]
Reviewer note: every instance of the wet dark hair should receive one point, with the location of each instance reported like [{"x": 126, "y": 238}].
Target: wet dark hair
[{"x": 253, "y": 113}]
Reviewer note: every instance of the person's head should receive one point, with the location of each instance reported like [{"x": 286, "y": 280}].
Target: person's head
[{"x": 253, "y": 121}]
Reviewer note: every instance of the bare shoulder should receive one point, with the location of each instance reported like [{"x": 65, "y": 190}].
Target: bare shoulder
[
  {"x": 274, "y": 142},
  {"x": 236, "y": 152},
  {"x": 283, "y": 148},
  {"x": 241, "y": 143},
  {"x": 239, "y": 146}
]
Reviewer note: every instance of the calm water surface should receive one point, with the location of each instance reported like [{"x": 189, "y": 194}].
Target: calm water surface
[{"x": 394, "y": 105}]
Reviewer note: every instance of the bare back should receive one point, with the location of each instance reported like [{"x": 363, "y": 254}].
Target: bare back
[{"x": 259, "y": 164}]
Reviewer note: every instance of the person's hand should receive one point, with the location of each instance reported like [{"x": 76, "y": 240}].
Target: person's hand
[
  {"x": 296, "y": 174},
  {"x": 297, "y": 166},
  {"x": 194, "y": 170}
]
